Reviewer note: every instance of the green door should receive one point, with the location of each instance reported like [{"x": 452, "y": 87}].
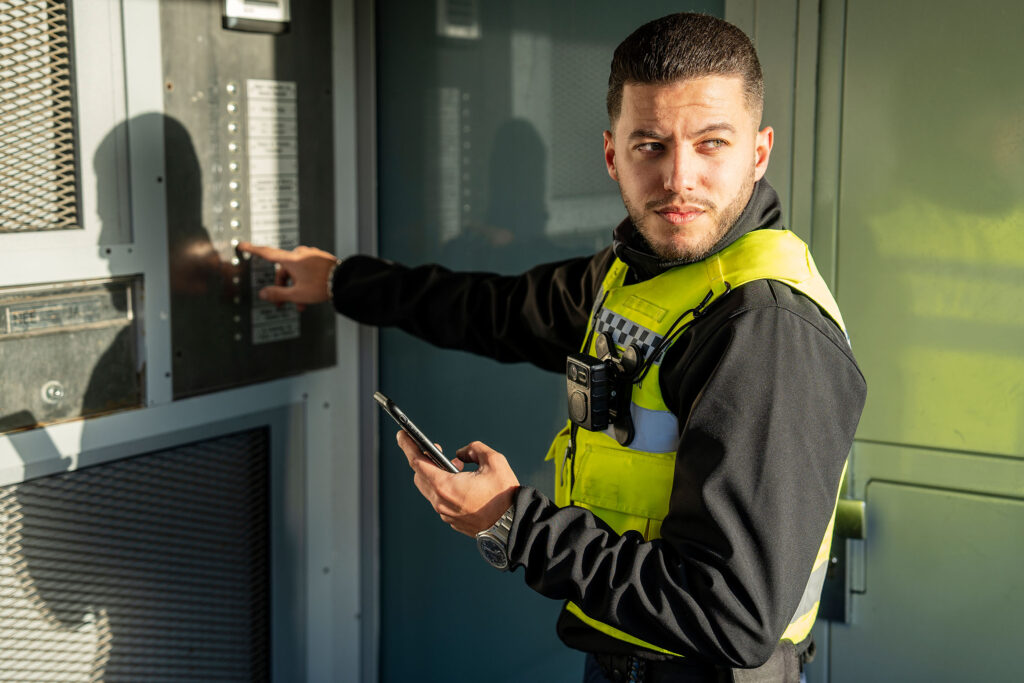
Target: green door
[{"x": 919, "y": 203}]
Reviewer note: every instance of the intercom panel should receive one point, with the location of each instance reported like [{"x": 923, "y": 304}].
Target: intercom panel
[{"x": 249, "y": 157}]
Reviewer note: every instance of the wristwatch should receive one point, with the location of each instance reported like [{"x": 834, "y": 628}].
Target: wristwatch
[
  {"x": 493, "y": 542},
  {"x": 330, "y": 279}
]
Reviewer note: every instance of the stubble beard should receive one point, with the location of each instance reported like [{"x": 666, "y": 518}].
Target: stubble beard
[{"x": 670, "y": 251}]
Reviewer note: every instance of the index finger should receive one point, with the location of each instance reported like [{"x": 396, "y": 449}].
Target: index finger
[
  {"x": 412, "y": 450},
  {"x": 417, "y": 459},
  {"x": 269, "y": 253}
]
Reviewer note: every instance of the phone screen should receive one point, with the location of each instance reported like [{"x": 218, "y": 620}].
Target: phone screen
[{"x": 425, "y": 444}]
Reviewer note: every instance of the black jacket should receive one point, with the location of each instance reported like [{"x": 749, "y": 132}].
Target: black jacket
[{"x": 768, "y": 397}]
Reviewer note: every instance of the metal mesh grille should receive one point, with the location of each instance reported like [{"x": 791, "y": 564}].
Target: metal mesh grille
[
  {"x": 578, "y": 84},
  {"x": 37, "y": 150},
  {"x": 153, "y": 568}
]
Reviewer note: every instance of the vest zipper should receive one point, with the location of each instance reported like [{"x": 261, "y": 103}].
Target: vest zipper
[
  {"x": 572, "y": 460},
  {"x": 569, "y": 458}
]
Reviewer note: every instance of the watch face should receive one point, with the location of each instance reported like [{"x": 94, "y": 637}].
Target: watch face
[{"x": 493, "y": 551}]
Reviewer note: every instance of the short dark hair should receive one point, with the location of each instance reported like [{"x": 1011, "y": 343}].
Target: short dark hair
[{"x": 684, "y": 46}]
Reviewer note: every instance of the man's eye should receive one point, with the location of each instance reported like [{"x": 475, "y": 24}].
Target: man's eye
[
  {"x": 650, "y": 147},
  {"x": 714, "y": 143}
]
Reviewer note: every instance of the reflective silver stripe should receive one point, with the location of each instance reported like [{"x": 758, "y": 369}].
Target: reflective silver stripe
[
  {"x": 625, "y": 332},
  {"x": 812, "y": 592},
  {"x": 657, "y": 431}
]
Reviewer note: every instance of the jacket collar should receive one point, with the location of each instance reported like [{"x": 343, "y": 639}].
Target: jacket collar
[{"x": 764, "y": 210}]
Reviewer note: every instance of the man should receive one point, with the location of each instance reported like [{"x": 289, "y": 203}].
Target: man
[{"x": 690, "y": 539}]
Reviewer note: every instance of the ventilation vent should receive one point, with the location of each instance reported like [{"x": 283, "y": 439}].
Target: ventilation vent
[
  {"x": 37, "y": 147},
  {"x": 153, "y": 568}
]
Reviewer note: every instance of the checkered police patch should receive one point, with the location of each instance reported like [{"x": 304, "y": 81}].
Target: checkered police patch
[{"x": 625, "y": 332}]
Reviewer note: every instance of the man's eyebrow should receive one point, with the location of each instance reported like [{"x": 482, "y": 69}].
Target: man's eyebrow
[
  {"x": 641, "y": 133},
  {"x": 711, "y": 127},
  {"x": 646, "y": 133}
]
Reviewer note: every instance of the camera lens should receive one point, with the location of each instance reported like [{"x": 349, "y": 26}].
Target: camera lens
[{"x": 578, "y": 406}]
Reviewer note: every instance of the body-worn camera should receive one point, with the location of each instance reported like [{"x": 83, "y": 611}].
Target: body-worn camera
[
  {"x": 590, "y": 388},
  {"x": 598, "y": 388}
]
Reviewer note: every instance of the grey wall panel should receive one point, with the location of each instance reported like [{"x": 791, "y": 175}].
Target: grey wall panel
[{"x": 120, "y": 117}]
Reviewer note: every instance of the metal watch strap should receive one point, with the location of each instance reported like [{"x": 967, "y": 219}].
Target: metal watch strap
[
  {"x": 493, "y": 542},
  {"x": 503, "y": 527},
  {"x": 330, "y": 279}
]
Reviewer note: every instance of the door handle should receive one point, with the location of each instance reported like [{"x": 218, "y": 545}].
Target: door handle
[{"x": 850, "y": 524}]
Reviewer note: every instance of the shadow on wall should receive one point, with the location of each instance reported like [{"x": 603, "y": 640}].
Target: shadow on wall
[{"x": 79, "y": 548}]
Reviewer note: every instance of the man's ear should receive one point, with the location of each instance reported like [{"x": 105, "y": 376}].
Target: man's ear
[
  {"x": 762, "y": 150},
  {"x": 609, "y": 155}
]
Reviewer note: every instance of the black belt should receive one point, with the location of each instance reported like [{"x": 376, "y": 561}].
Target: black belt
[
  {"x": 784, "y": 666},
  {"x": 629, "y": 669}
]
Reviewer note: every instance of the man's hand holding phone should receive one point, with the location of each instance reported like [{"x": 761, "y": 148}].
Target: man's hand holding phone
[{"x": 469, "y": 502}]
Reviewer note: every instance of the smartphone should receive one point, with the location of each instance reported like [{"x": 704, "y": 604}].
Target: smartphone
[{"x": 425, "y": 444}]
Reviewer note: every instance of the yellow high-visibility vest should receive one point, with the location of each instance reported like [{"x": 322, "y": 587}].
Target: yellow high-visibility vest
[{"x": 629, "y": 487}]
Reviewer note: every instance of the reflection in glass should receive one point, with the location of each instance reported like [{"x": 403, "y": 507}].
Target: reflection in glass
[{"x": 490, "y": 159}]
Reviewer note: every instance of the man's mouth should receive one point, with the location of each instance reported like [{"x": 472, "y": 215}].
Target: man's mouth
[{"x": 680, "y": 215}]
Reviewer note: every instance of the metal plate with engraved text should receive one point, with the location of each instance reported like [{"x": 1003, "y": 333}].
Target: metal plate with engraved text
[
  {"x": 68, "y": 350},
  {"x": 60, "y": 312}
]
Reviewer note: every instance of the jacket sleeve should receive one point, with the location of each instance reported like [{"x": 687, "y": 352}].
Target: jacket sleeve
[
  {"x": 537, "y": 317},
  {"x": 767, "y": 403}
]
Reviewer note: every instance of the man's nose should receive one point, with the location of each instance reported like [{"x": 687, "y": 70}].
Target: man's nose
[{"x": 680, "y": 175}]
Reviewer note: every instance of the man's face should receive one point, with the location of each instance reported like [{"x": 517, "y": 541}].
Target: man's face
[{"x": 686, "y": 156}]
